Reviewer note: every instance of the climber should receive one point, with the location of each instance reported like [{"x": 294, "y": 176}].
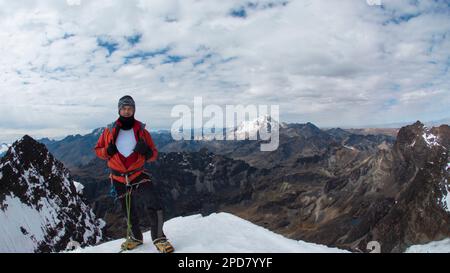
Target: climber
[{"x": 127, "y": 145}]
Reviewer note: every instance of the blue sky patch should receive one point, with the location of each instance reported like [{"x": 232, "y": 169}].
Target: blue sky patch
[
  {"x": 145, "y": 55},
  {"x": 242, "y": 11},
  {"x": 134, "y": 39},
  {"x": 173, "y": 59},
  {"x": 107, "y": 44},
  {"x": 202, "y": 60},
  {"x": 239, "y": 13},
  {"x": 401, "y": 19}
]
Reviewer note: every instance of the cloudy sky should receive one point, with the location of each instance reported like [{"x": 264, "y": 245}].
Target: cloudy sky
[{"x": 65, "y": 64}]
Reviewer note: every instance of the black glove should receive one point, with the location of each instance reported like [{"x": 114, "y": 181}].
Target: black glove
[
  {"x": 142, "y": 148},
  {"x": 112, "y": 149}
]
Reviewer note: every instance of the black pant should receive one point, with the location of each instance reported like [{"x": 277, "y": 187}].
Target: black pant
[{"x": 145, "y": 200}]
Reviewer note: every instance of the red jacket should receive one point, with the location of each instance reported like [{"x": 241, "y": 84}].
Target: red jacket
[{"x": 117, "y": 161}]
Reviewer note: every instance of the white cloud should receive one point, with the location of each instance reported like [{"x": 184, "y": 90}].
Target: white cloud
[{"x": 333, "y": 63}]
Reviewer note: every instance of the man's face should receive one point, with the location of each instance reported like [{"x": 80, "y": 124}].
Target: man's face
[{"x": 126, "y": 111}]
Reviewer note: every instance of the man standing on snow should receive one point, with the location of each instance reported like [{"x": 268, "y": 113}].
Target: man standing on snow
[{"x": 127, "y": 145}]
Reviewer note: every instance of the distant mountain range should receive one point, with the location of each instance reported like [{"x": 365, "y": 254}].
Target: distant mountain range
[{"x": 77, "y": 150}]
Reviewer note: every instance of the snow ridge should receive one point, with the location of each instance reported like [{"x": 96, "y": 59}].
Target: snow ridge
[{"x": 218, "y": 233}]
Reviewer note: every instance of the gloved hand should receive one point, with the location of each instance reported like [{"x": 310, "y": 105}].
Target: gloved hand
[
  {"x": 112, "y": 149},
  {"x": 143, "y": 149}
]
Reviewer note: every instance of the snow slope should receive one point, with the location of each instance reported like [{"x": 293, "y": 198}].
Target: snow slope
[
  {"x": 442, "y": 246},
  {"x": 218, "y": 232}
]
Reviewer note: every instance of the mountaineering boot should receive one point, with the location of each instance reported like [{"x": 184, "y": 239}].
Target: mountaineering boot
[
  {"x": 131, "y": 243},
  {"x": 163, "y": 245}
]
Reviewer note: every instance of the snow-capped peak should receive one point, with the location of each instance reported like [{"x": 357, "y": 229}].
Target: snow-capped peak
[{"x": 263, "y": 123}]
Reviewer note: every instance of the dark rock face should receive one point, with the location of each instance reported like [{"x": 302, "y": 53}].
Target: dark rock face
[
  {"x": 421, "y": 212},
  {"x": 41, "y": 203},
  {"x": 200, "y": 182}
]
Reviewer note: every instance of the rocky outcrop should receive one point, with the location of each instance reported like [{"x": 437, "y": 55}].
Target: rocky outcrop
[{"x": 41, "y": 209}]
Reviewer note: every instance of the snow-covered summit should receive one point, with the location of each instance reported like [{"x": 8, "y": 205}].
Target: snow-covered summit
[
  {"x": 262, "y": 124},
  {"x": 218, "y": 233}
]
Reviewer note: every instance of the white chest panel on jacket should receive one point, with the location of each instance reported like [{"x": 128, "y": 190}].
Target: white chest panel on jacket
[{"x": 126, "y": 142}]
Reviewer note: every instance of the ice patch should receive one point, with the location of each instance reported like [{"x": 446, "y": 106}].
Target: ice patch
[
  {"x": 79, "y": 187},
  {"x": 445, "y": 199}
]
